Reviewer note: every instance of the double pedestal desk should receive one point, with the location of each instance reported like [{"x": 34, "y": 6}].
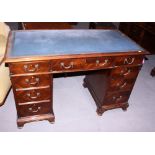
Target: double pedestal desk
[{"x": 110, "y": 60}]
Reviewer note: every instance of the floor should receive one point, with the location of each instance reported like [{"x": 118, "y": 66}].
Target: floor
[{"x": 78, "y": 113}]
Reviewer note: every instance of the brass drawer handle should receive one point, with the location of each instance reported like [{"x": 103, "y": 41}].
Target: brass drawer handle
[
  {"x": 129, "y": 61},
  {"x": 118, "y": 98},
  {"x": 124, "y": 84},
  {"x": 31, "y": 68},
  {"x": 121, "y": 86},
  {"x": 101, "y": 64},
  {"x": 33, "y": 95},
  {"x": 32, "y": 81},
  {"x": 128, "y": 72},
  {"x": 66, "y": 67},
  {"x": 32, "y": 109}
]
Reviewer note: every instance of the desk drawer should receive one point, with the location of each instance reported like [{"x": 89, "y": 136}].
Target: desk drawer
[
  {"x": 121, "y": 84},
  {"x": 82, "y": 64},
  {"x": 126, "y": 72},
  {"x": 29, "y": 67},
  {"x": 31, "y": 81},
  {"x": 68, "y": 65},
  {"x": 34, "y": 109},
  {"x": 24, "y": 96},
  {"x": 129, "y": 60},
  {"x": 113, "y": 98},
  {"x": 99, "y": 62}
]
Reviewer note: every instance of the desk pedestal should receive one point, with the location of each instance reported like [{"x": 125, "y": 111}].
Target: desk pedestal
[{"x": 111, "y": 90}]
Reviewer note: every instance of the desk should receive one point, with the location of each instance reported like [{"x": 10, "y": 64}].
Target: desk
[{"x": 112, "y": 59}]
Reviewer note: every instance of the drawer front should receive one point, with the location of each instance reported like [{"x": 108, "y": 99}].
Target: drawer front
[
  {"x": 34, "y": 109},
  {"x": 29, "y": 67},
  {"x": 113, "y": 98},
  {"x": 68, "y": 65},
  {"x": 129, "y": 60},
  {"x": 99, "y": 62},
  {"x": 126, "y": 72},
  {"x": 24, "y": 96},
  {"x": 82, "y": 64},
  {"x": 31, "y": 81},
  {"x": 121, "y": 84}
]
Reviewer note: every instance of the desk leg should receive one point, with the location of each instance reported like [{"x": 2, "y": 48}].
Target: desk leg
[
  {"x": 21, "y": 121},
  {"x": 100, "y": 111}
]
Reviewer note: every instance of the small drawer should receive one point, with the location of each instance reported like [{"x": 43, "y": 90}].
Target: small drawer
[
  {"x": 31, "y": 81},
  {"x": 68, "y": 65},
  {"x": 129, "y": 60},
  {"x": 99, "y": 62},
  {"x": 121, "y": 84},
  {"x": 23, "y": 96},
  {"x": 29, "y": 67},
  {"x": 113, "y": 98},
  {"x": 126, "y": 72},
  {"x": 34, "y": 109}
]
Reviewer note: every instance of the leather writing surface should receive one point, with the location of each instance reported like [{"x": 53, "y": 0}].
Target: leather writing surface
[{"x": 62, "y": 42}]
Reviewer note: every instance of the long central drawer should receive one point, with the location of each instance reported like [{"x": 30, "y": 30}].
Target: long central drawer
[{"x": 93, "y": 63}]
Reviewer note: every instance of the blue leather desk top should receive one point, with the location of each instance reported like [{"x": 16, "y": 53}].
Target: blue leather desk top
[{"x": 62, "y": 42}]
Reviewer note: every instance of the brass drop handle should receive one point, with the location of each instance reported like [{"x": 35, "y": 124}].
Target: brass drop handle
[
  {"x": 128, "y": 72},
  {"x": 100, "y": 63},
  {"x": 123, "y": 85},
  {"x": 33, "y": 95},
  {"x": 32, "y": 81},
  {"x": 129, "y": 61},
  {"x": 67, "y": 67},
  {"x": 31, "y": 68},
  {"x": 118, "y": 98},
  {"x": 32, "y": 109}
]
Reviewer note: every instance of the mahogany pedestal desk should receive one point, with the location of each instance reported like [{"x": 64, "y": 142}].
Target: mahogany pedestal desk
[{"x": 111, "y": 58}]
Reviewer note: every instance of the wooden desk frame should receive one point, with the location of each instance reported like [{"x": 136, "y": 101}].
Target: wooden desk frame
[{"x": 110, "y": 82}]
